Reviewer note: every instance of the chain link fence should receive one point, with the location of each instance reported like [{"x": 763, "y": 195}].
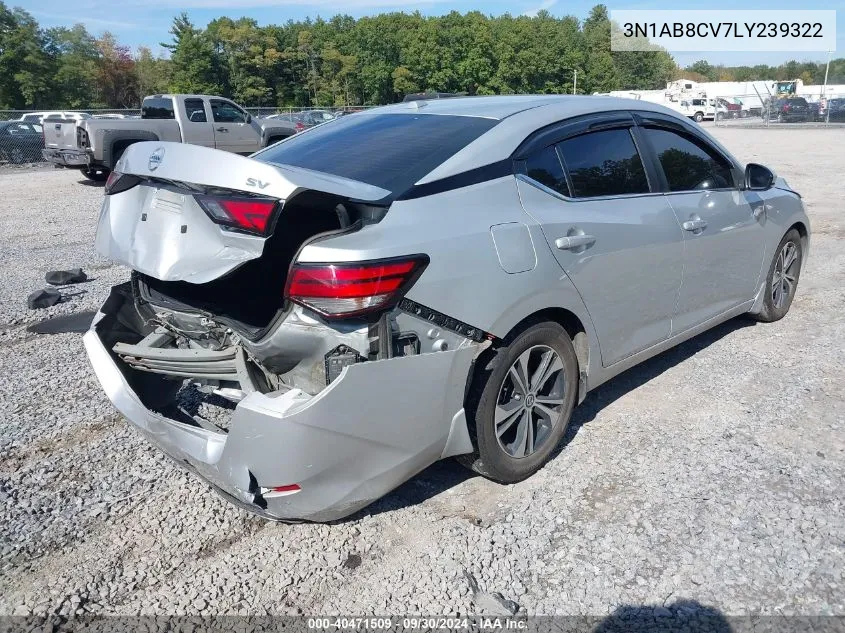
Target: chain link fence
[
  {"x": 756, "y": 110},
  {"x": 21, "y": 131}
]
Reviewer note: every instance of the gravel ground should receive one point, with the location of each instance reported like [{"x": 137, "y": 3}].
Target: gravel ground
[{"x": 712, "y": 473}]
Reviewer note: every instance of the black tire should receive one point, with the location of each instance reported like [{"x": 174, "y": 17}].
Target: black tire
[
  {"x": 698, "y": 117},
  {"x": 96, "y": 174},
  {"x": 491, "y": 458},
  {"x": 772, "y": 309},
  {"x": 17, "y": 156}
]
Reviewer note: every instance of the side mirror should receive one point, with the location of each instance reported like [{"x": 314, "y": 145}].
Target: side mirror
[
  {"x": 249, "y": 118},
  {"x": 758, "y": 177}
]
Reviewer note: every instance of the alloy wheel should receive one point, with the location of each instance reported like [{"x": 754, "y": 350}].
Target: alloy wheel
[
  {"x": 784, "y": 275},
  {"x": 530, "y": 401}
]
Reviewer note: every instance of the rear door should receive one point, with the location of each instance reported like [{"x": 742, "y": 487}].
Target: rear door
[
  {"x": 618, "y": 240},
  {"x": 231, "y": 130},
  {"x": 723, "y": 236}
]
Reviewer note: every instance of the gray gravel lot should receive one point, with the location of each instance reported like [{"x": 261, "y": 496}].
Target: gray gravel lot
[{"x": 713, "y": 473}]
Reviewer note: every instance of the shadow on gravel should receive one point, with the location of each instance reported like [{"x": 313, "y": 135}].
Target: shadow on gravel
[
  {"x": 639, "y": 375},
  {"x": 77, "y": 322},
  {"x": 445, "y": 474},
  {"x": 684, "y": 615},
  {"x": 437, "y": 478},
  {"x": 92, "y": 183}
]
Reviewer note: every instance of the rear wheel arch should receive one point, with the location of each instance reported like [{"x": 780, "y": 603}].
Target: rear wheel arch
[
  {"x": 567, "y": 319},
  {"x": 115, "y": 143}
]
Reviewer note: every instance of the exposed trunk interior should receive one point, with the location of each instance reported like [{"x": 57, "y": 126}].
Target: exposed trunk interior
[{"x": 249, "y": 298}]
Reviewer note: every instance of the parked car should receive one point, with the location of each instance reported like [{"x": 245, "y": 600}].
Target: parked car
[
  {"x": 728, "y": 109},
  {"x": 315, "y": 117},
  {"x": 38, "y": 117},
  {"x": 20, "y": 141},
  {"x": 790, "y": 110},
  {"x": 698, "y": 109},
  {"x": 837, "y": 110},
  {"x": 405, "y": 285},
  {"x": 751, "y": 106},
  {"x": 294, "y": 118},
  {"x": 95, "y": 146}
]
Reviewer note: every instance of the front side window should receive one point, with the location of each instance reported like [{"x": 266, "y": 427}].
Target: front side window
[
  {"x": 688, "y": 164},
  {"x": 225, "y": 112},
  {"x": 544, "y": 167},
  {"x": 604, "y": 163},
  {"x": 195, "y": 110}
]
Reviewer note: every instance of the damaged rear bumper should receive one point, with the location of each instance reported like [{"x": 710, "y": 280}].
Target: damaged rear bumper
[
  {"x": 372, "y": 428},
  {"x": 66, "y": 157}
]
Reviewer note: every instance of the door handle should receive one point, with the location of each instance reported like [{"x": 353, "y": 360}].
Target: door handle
[
  {"x": 222, "y": 129},
  {"x": 572, "y": 242},
  {"x": 694, "y": 225}
]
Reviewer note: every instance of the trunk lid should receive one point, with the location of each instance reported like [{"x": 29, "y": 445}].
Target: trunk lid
[
  {"x": 59, "y": 133},
  {"x": 215, "y": 168},
  {"x": 158, "y": 228}
]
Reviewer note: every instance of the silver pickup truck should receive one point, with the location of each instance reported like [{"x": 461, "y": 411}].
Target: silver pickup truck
[{"x": 95, "y": 146}]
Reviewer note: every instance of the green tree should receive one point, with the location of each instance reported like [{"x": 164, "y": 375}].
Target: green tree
[
  {"x": 194, "y": 63},
  {"x": 600, "y": 72},
  {"x": 25, "y": 63},
  {"x": 151, "y": 73}
]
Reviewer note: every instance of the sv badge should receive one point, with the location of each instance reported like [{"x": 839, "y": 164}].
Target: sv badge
[{"x": 254, "y": 182}]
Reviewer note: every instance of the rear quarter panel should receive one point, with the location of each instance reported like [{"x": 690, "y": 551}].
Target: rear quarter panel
[
  {"x": 101, "y": 133},
  {"x": 465, "y": 278}
]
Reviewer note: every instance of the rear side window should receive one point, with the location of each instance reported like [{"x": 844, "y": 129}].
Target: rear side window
[
  {"x": 688, "y": 164},
  {"x": 604, "y": 163},
  {"x": 157, "y": 108},
  {"x": 195, "y": 110},
  {"x": 391, "y": 151},
  {"x": 544, "y": 167}
]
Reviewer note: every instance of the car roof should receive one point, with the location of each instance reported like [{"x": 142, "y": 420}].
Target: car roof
[
  {"x": 497, "y": 107},
  {"x": 518, "y": 116}
]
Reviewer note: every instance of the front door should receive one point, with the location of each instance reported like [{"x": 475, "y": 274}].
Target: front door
[
  {"x": 232, "y": 132},
  {"x": 618, "y": 242},
  {"x": 723, "y": 237}
]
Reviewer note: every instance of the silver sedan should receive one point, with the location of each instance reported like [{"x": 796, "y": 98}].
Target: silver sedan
[{"x": 309, "y": 327}]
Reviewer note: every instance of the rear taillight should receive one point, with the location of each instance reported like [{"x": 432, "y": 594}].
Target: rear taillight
[
  {"x": 346, "y": 290},
  {"x": 299, "y": 126},
  {"x": 253, "y": 215},
  {"x": 118, "y": 182}
]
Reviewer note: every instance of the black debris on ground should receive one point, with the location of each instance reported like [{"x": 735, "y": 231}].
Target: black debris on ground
[
  {"x": 64, "y": 277},
  {"x": 43, "y": 298}
]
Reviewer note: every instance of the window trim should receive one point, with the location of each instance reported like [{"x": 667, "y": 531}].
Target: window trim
[
  {"x": 556, "y": 133},
  {"x": 656, "y": 120}
]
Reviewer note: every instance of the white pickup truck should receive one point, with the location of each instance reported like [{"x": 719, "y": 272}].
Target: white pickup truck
[{"x": 95, "y": 146}]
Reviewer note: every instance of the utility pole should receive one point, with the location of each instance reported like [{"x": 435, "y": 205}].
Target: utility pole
[
  {"x": 575, "y": 82},
  {"x": 824, "y": 90}
]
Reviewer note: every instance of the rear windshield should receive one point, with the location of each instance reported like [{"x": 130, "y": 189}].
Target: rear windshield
[
  {"x": 157, "y": 108},
  {"x": 391, "y": 151}
]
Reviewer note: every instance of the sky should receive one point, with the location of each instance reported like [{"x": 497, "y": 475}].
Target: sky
[{"x": 146, "y": 22}]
